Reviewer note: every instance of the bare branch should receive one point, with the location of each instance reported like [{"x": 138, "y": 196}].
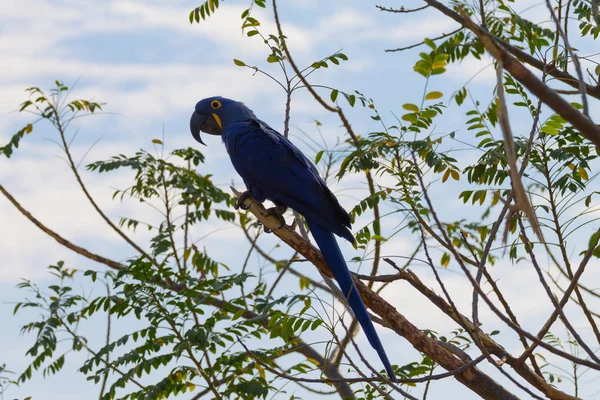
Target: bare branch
[
  {"x": 58, "y": 238},
  {"x": 400, "y": 10},
  {"x": 521, "y": 200}
]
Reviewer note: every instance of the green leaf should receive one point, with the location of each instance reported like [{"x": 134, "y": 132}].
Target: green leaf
[
  {"x": 334, "y": 95},
  {"x": 157, "y": 141},
  {"x": 412, "y": 118},
  {"x": 549, "y": 130},
  {"x": 316, "y": 323},
  {"x": 577, "y": 106},
  {"x": 318, "y": 157},
  {"x": 25, "y": 105},
  {"x": 239, "y": 63},
  {"x": 252, "y": 21},
  {"x": 238, "y": 314},
  {"x": 351, "y": 99},
  {"x": 593, "y": 239},
  {"x": 430, "y": 113},
  {"x": 430, "y": 43}
]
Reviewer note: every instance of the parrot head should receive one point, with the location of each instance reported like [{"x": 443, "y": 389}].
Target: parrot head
[{"x": 214, "y": 114}]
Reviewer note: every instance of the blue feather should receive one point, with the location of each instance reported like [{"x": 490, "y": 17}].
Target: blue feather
[{"x": 335, "y": 260}]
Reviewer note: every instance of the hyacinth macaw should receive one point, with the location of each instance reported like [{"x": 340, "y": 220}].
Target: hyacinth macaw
[{"x": 274, "y": 169}]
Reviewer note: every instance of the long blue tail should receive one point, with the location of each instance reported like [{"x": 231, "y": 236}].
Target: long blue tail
[{"x": 335, "y": 260}]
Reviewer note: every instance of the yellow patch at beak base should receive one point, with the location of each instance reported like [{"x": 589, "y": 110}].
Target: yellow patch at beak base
[{"x": 218, "y": 120}]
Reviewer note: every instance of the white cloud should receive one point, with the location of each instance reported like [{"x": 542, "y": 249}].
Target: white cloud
[
  {"x": 415, "y": 29},
  {"x": 473, "y": 71},
  {"x": 67, "y": 19},
  {"x": 161, "y": 89}
]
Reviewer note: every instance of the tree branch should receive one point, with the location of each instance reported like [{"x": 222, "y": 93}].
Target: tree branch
[{"x": 471, "y": 377}]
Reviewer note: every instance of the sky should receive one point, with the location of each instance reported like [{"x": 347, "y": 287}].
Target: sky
[{"x": 150, "y": 66}]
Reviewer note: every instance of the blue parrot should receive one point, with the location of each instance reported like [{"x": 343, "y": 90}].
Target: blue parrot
[{"x": 274, "y": 169}]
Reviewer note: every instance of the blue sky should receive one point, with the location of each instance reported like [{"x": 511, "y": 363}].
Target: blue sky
[{"x": 151, "y": 66}]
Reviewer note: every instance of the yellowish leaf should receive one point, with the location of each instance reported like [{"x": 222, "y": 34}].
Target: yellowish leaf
[
  {"x": 482, "y": 197},
  {"x": 410, "y": 107},
  {"x": 433, "y": 95},
  {"x": 412, "y": 118},
  {"x": 261, "y": 370},
  {"x": 438, "y": 64},
  {"x": 446, "y": 175},
  {"x": 496, "y": 197},
  {"x": 445, "y": 259}
]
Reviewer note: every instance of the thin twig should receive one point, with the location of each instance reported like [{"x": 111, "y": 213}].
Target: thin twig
[
  {"x": 107, "y": 358},
  {"x": 575, "y": 59},
  {"x": 442, "y": 36},
  {"x": 400, "y": 10}
]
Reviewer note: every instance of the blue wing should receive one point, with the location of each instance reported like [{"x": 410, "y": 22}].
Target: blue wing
[{"x": 273, "y": 168}]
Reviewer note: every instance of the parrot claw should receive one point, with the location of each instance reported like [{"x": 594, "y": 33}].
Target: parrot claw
[
  {"x": 278, "y": 212},
  {"x": 240, "y": 201}
]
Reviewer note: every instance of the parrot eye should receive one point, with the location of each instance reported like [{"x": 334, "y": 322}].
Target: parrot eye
[{"x": 215, "y": 104}]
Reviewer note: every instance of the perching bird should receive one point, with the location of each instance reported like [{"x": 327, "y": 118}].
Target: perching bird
[{"x": 274, "y": 169}]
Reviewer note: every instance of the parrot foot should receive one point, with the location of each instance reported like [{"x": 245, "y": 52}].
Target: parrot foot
[
  {"x": 278, "y": 212},
  {"x": 240, "y": 201}
]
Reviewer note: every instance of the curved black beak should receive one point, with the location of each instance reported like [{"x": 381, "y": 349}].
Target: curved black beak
[
  {"x": 205, "y": 123},
  {"x": 196, "y": 123}
]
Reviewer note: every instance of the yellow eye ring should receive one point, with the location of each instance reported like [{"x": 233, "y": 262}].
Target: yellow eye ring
[{"x": 215, "y": 104}]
